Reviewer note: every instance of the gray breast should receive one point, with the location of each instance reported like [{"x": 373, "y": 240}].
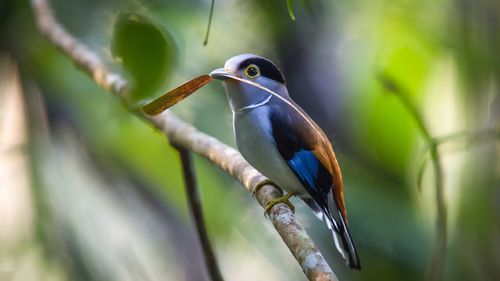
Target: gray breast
[{"x": 254, "y": 139}]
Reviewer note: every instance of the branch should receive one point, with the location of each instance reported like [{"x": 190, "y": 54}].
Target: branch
[
  {"x": 438, "y": 257},
  {"x": 470, "y": 137},
  {"x": 184, "y": 135},
  {"x": 193, "y": 197}
]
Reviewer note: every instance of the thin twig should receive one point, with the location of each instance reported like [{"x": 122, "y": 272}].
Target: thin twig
[
  {"x": 438, "y": 257},
  {"x": 466, "y": 137},
  {"x": 184, "y": 135},
  {"x": 470, "y": 137},
  {"x": 210, "y": 16},
  {"x": 437, "y": 263},
  {"x": 195, "y": 208}
]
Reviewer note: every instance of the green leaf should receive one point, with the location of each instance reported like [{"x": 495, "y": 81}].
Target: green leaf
[
  {"x": 290, "y": 9},
  {"x": 146, "y": 50}
]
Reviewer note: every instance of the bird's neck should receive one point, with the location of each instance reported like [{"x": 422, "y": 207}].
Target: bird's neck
[
  {"x": 254, "y": 105},
  {"x": 243, "y": 98}
]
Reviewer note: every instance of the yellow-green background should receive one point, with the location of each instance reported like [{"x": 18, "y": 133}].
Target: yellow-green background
[{"x": 107, "y": 189}]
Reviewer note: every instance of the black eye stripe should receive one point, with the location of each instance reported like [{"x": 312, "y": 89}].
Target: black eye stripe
[{"x": 266, "y": 67}]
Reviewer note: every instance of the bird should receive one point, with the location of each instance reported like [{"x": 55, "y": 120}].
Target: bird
[{"x": 282, "y": 142}]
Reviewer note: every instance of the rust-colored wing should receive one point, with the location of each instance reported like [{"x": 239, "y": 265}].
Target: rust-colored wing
[{"x": 325, "y": 154}]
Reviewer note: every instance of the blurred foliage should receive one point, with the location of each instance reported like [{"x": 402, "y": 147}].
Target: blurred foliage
[
  {"x": 147, "y": 52},
  {"x": 119, "y": 177}
]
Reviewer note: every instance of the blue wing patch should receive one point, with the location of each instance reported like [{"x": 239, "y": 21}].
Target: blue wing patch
[
  {"x": 312, "y": 175},
  {"x": 305, "y": 165}
]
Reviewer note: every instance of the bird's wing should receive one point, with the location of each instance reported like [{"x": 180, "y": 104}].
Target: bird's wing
[
  {"x": 323, "y": 150},
  {"x": 310, "y": 156}
]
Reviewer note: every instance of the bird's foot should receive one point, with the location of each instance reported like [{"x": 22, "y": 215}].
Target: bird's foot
[
  {"x": 283, "y": 199},
  {"x": 261, "y": 184}
]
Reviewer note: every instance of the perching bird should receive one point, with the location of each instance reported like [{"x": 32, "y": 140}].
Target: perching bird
[{"x": 282, "y": 142}]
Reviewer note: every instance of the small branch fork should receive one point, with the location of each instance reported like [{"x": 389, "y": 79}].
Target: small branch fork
[{"x": 183, "y": 135}]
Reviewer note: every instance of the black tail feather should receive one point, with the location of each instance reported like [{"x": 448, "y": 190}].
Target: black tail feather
[
  {"x": 343, "y": 241},
  {"x": 349, "y": 244}
]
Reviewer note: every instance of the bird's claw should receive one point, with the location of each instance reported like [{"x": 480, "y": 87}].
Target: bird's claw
[
  {"x": 283, "y": 199},
  {"x": 261, "y": 184}
]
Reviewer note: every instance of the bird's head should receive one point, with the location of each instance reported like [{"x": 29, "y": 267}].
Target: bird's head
[{"x": 251, "y": 68}]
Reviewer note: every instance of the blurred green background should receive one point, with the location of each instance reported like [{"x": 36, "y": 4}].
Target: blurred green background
[{"x": 89, "y": 192}]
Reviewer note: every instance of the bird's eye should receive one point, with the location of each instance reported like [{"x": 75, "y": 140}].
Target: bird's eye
[{"x": 252, "y": 71}]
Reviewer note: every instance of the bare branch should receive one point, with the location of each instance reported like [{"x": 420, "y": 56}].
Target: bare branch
[
  {"x": 184, "y": 135},
  {"x": 228, "y": 159},
  {"x": 436, "y": 266},
  {"x": 194, "y": 201}
]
